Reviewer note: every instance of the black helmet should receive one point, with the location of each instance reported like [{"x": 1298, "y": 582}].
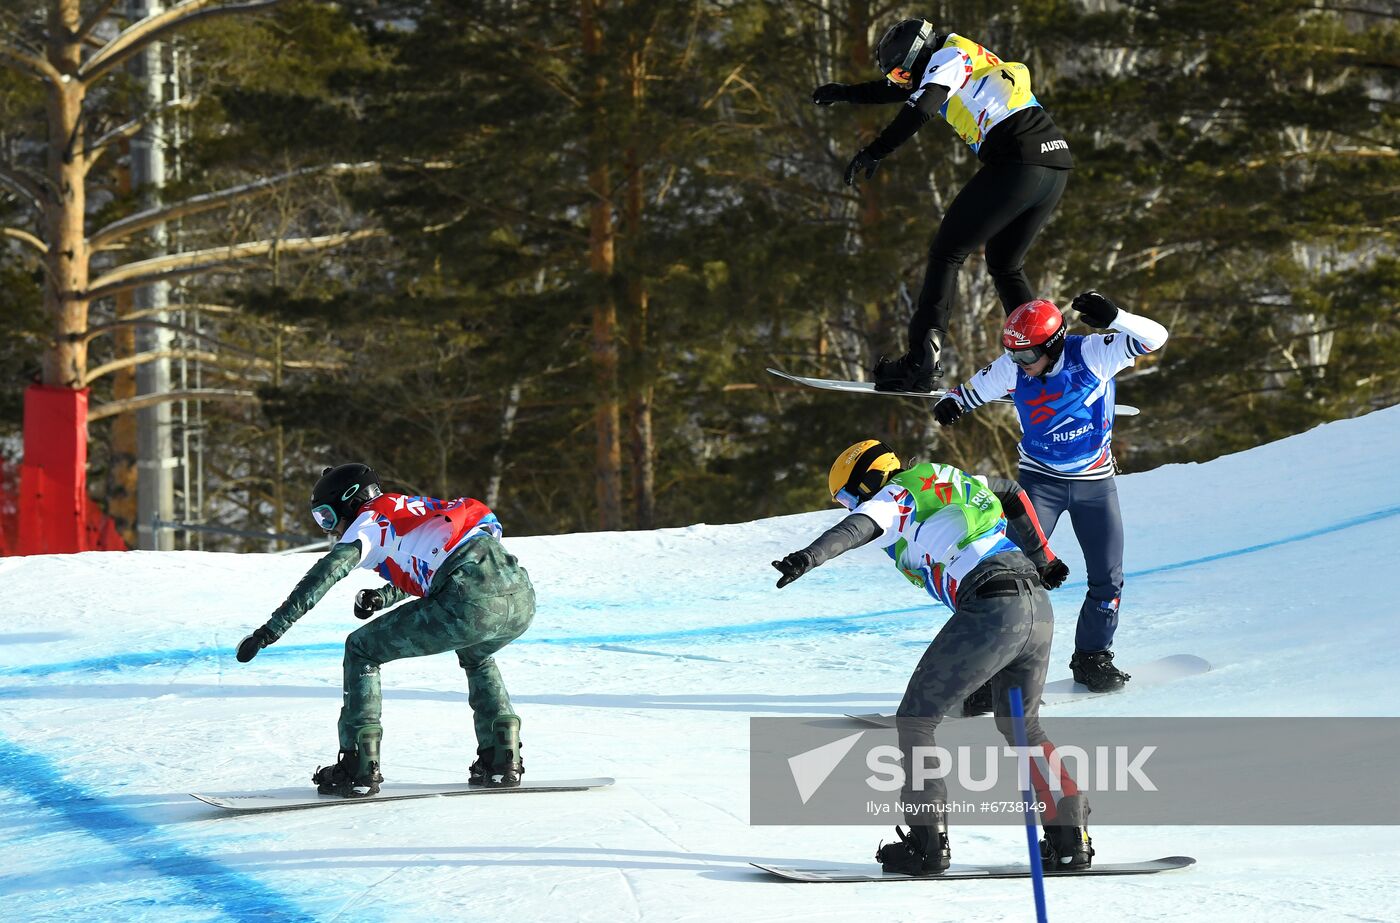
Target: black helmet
[
  {"x": 900, "y": 48},
  {"x": 340, "y": 493}
]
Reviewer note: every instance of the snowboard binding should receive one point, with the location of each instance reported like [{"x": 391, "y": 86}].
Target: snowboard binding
[
  {"x": 355, "y": 773},
  {"x": 498, "y": 765},
  {"x": 1067, "y": 845},
  {"x": 921, "y": 851}
]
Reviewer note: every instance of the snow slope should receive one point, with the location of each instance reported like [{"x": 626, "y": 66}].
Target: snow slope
[{"x": 119, "y": 693}]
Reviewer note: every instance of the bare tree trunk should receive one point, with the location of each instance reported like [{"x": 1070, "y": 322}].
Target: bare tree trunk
[
  {"x": 65, "y": 297},
  {"x": 498, "y": 459},
  {"x": 643, "y": 440},
  {"x": 643, "y": 447},
  {"x": 121, "y": 491},
  {"x": 602, "y": 242}
]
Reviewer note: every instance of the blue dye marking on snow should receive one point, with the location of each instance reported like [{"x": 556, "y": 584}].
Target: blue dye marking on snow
[
  {"x": 838, "y": 623},
  {"x": 830, "y": 624},
  {"x": 206, "y": 883},
  {"x": 139, "y": 659},
  {"x": 1300, "y": 537}
]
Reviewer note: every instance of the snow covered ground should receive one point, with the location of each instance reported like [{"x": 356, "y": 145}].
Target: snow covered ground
[{"x": 119, "y": 694}]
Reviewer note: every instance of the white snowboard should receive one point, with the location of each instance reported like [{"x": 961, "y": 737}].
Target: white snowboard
[
  {"x": 865, "y": 872},
  {"x": 295, "y": 798},
  {"x": 865, "y": 387}
]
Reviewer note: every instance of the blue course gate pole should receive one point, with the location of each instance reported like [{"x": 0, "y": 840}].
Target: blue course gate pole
[{"x": 1018, "y": 723}]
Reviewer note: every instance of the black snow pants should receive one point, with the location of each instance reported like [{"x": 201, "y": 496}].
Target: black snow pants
[{"x": 1003, "y": 207}]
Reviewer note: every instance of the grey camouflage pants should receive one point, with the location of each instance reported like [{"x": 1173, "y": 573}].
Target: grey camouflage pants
[
  {"x": 476, "y": 610},
  {"x": 1000, "y": 630}
]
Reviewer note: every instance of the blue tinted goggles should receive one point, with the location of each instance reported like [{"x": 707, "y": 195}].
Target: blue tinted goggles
[
  {"x": 325, "y": 517},
  {"x": 847, "y": 499}
]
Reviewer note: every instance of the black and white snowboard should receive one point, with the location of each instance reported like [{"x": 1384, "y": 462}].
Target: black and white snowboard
[
  {"x": 297, "y": 798},
  {"x": 843, "y": 871},
  {"x": 865, "y": 387},
  {"x": 1060, "y": 691}
]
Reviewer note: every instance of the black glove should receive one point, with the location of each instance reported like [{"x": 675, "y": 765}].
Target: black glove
[
  {"x": 862, "y": 161},
  {"x": 367, "y": 602},
  {"x": 829, "y": 93},
  {"x": 947, "y": 411},
  {"x": 1094, "y": 309},
  {"x": 248, "y": 648},
  {"x": 793, "y": 566},
  {"x": 1053, "y": 573}
]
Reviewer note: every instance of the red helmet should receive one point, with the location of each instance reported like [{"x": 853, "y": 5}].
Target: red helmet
[{"x": 1035, "y": 329}]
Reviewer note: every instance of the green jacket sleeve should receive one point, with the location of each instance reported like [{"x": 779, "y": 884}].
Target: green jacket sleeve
[
  {"x": 391, "y": 595},
  {"x": 324, "y": 574}
]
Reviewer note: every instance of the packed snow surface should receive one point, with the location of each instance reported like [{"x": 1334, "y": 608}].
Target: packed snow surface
[{"x": 120, "y": 694}]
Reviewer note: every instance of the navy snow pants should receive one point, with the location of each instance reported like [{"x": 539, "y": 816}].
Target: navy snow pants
[{"x": 1098, "y": 525}]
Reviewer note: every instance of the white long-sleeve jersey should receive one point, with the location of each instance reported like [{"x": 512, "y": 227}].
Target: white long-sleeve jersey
[{"x": 1067, "y": 417}]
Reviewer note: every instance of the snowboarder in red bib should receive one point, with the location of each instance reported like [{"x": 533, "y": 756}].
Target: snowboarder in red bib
[
  {"x": 1063, "y": 388},
  {"x": 947, "y": 533},
  {"x": 1025, "y": 167},
  {"x": 471, "y": 597}
]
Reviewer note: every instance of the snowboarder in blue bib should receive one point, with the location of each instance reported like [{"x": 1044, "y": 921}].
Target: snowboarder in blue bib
[
  {"x": 1063, "y": 388},
  {"x": 947, "y": 533},
  {"x": 1025, "y": 167}
]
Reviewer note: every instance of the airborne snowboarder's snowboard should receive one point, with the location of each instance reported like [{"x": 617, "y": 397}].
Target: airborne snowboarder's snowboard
[
  {"x": 865, "y": 387},
  {"x": 294, "y": 799},
  {"x": 1152, "y": 673},
  {"x": 843, "y": 871}
]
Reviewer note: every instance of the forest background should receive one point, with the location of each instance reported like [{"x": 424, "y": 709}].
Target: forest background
[{"x": 541, "y": 252}]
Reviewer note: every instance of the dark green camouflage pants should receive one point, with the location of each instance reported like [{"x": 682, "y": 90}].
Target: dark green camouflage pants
[{"x": 476, "y": 609}]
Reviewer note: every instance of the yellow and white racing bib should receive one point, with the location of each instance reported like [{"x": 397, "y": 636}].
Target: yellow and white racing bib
[{"x": 983, "y": 90}]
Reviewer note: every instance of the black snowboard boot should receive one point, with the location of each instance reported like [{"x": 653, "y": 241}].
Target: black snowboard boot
[
  {"x": 351, "y": 776},
  {"x": 921, "y": 851},
  {"x": 499, "y": 765},
  {"x": 980, "y": 702},
  {"x": 916, "y": 370},
  {"x": 1095, "y": 669},
  {"x": 1067, "y": 844}
]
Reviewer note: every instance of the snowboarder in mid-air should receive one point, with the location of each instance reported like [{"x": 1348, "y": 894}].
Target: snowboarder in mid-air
[
  {"x": 473, "y": 598},
  {"x": 1025, "y": 162},
  {"x": 1063, "y": 388},
  {"x": 947, "y": 532}
]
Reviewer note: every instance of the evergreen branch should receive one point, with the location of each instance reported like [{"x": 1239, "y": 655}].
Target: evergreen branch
[
  {"x": 196, "y": 355},
  {"x": 132, "y": 128},
  {"x": 209, "y": 201},
  {"x": 153, "y": 28},
  {"x": 140, "y": 402},
  {"x": 96, "y": 16},
  {"x": 32, "y": 192},
  {"x": 29, "y": 65},
  {"x": 1307, "y": 155},
  {"x": 154, "y": 355},
  {"x": 143, "y": 320},
  {"x": 26, "y": 238},
  {"x": 175, "y": 265},
  {"x": 139, "y": 319},
  {"x": 1359, "y": 10}
]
